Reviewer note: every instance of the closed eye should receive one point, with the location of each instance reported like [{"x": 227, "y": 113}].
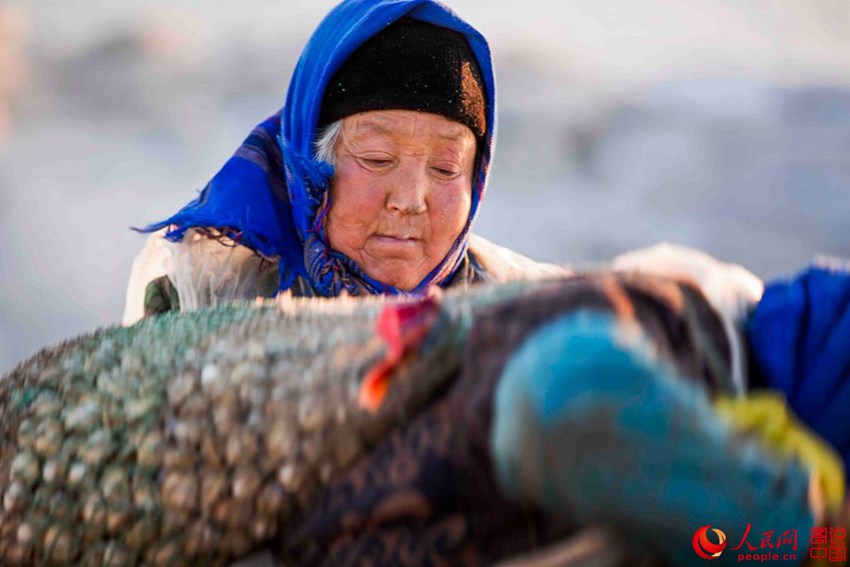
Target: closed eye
[
  {"x": 375, "y": 163},
  {"x": 443, "y": 172}
]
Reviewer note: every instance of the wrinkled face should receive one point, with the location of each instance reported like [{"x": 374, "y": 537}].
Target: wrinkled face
[{"x": 401, "y": 192}]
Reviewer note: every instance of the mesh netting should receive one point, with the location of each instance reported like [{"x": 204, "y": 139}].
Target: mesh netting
[{"x": 193, "y": 438}]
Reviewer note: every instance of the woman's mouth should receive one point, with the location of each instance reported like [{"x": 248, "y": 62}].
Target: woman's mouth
[{"x": 395, "y": 238}]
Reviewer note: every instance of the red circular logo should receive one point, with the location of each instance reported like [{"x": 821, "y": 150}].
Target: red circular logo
[{"x": 704, "y": 547}]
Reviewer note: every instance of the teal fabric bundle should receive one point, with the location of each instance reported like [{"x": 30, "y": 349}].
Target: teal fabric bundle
[{"x": 589, "y": 425}]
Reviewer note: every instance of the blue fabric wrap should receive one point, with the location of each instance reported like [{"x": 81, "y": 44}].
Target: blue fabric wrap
[
  {"x": 800, "y": 340},
  {"x": 271, "y": 207},
  {"x": 247, "y": 199},
  {"x": 588, "y": 425}
]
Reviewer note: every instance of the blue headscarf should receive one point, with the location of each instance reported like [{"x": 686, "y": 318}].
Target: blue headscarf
[{"x": 270, "y": 196}]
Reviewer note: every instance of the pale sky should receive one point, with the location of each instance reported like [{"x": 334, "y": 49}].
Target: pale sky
[{"x": 625, "y": 38}]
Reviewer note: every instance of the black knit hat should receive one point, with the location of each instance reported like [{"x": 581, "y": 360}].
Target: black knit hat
[{"x": 410, "y": 65}]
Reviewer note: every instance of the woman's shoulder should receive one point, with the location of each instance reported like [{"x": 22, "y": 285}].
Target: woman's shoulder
[
  {"x": 502, "y": 264},
  {"x": 203, "y": 269}
]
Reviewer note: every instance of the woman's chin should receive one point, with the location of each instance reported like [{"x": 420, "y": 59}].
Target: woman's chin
[
  {"x": 399, "y": 280},
  {"x": 401, "y": 263},
  {"x": 402, "y": 275}
]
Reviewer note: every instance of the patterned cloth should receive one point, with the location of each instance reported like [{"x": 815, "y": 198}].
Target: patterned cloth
[{"x": 429, "y": 496}]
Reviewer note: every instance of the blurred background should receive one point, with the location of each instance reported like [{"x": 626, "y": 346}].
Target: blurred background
[{"x": 719, "y": 124}]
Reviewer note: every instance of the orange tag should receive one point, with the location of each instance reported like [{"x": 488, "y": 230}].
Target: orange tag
[{"x": 403, "y": 327}]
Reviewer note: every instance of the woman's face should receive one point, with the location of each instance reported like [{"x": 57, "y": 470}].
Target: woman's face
[{"x": 401, "y": 192}]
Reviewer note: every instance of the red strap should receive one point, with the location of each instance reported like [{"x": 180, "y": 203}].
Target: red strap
[{"x": 403, "y": 327}]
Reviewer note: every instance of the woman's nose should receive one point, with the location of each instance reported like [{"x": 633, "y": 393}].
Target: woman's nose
[{"x": 408, "y": 189}]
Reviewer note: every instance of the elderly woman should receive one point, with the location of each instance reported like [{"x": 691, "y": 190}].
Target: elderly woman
[{"x": 367, "y": 182}]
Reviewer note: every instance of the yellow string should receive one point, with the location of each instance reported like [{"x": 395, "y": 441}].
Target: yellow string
[{"x": 766, "y": 415}]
